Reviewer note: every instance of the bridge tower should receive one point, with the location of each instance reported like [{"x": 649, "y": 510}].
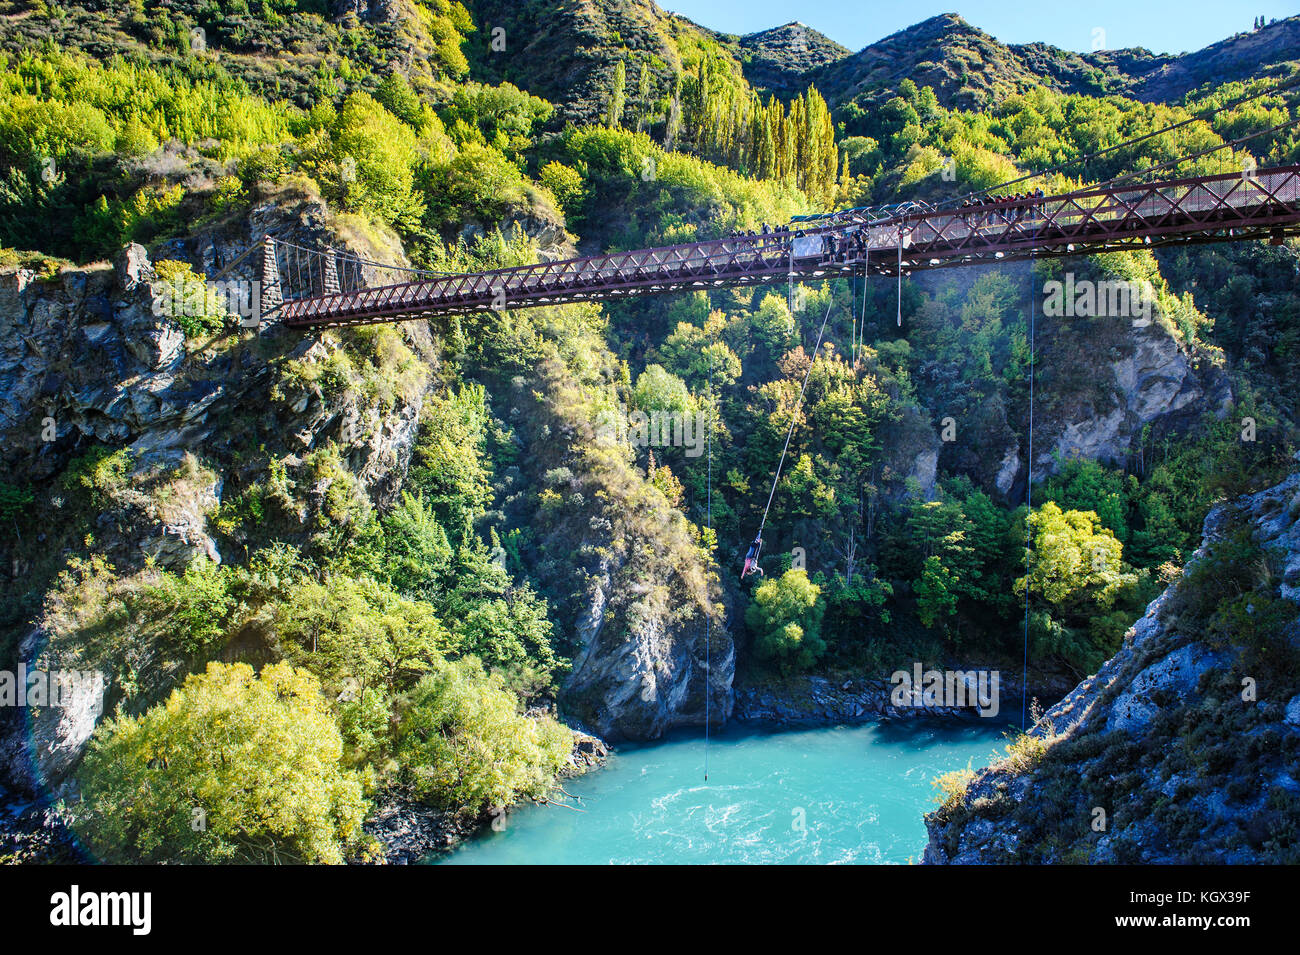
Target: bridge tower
[
  {"x": 272, "y": 291},
  {"x": 331, "y": 270}
]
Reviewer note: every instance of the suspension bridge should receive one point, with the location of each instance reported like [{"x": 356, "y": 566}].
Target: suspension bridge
[{"x": 312, "y": 288}]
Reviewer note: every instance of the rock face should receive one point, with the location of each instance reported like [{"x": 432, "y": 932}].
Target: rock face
[
  {"x": 646, "y": 659},
  {"x": 1185, "y": 746},
  {"x": 86, "y": 361},
  {"x": 1149, "y": 379},
  {"x": 1102, "y": 382},
  {"x": 40, "y": 743},
  {"x": 647, "y": 662},
  {"x": 641, "y": 683},
  {"x": 818, "y": 701}
]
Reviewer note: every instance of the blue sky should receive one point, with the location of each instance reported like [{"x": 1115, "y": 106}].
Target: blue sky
[{"x": 1158, "y": 25}]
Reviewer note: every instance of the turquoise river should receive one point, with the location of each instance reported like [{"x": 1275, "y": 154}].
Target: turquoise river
[{"x": 841, "y": 794}]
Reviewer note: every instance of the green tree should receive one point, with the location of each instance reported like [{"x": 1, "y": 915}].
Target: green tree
[
  {"x": 565, "y": 184},
  {"x": 355, "y": 633},
  {"x": 936, "y": 592},
  {"x": 617, "y": 96},
  {"x": 197, "y": 605},
  {"x": 1076, "y": 564},
  {"x": 785, "y": 617},
  {"x": 1082, "y": 595},
  {"x": 372, "y": 157},
  {"x": 660, "y": 390},
  {"x": 415, "y": 555},
  {"x": 506, "y": 626},
  {"x": 257, "y": 757},
  {"x": 463, "y": 745},
  {"x": 450, "y": 470}
]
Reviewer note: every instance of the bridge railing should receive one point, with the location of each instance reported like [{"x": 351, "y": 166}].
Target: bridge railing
[
  {"x": 307, "y": 273},
  {"x": 339, "y": 285},
  {"x": 1096, "y": 210}
]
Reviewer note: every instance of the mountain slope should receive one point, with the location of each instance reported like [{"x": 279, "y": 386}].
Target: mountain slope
[
  {"x": 567, "y": 52},
  {"x": 1236, "y": 58},
  {"x": 967, "y": 67},
  {"x": 778, "y": 60},
  {"x": 962, "y": 63}
]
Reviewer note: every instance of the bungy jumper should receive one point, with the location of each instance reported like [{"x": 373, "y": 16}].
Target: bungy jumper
[{"x": 751, "y": 556}]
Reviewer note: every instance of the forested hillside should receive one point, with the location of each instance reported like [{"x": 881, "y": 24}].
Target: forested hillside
[{"x": 400, "y": 559}]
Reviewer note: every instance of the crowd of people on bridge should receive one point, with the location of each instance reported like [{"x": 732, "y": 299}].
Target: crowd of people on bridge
[
  {"x": 764, "y": 230},
  {"x": 1027, "y": 204},
  {"x": 842, "y": 248},
  {"x": 976, "y": 212}
]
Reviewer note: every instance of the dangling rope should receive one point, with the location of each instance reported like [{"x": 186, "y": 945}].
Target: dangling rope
[
  {"x": 853, "y": 312},
  {"x": 1029, "y": 485},
  {"x": 708, "y": 616},
  {"x": 862, "y": 322},
  {"x": 790, "y": 279},
  {"x": 900, "y": 276},
  {"x": 795, "y": 417}
]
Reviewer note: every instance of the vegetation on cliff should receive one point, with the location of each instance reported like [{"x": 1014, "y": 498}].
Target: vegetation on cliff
[{"x": 420, "y": 535}]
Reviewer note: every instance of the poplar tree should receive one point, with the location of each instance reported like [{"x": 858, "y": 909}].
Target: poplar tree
[{"x": 615, "y": 115}]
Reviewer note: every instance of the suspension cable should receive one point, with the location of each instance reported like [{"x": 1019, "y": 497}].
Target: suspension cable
[
  {"x": 1279, "y": 88},
  {"x": 353, "y": 257},
  {"x": 1196, "y": 155}
]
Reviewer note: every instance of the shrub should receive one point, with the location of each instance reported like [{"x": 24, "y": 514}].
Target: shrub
[
  {"x": 255, "y": 758},
  {"x": 462, "y": 743},
  {"x": 187, "y": 299},
  {"x": 952, "y": 786},
  {"x": 786, "y": 619},
  {"x": 198, "y": 604}
]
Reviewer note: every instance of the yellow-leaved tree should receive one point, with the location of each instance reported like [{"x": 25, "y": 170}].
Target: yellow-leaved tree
[{"x": 234, "y": 767}]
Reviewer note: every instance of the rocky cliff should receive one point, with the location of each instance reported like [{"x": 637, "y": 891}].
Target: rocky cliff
[
  {"x": 1135, "y": 376},
  {"x": 644, "y": 615},
  {"x": 89, "y": 366},
  {"x": 1185, "y": 746},
  {"x": 166, "y": 436}
]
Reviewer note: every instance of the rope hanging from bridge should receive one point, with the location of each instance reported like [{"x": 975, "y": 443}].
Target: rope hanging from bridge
[
  {"x": 1029, "y": 486},
  {"x": 900, "y": 276},
  {"x": 861, "y": 322},
  {"x": 751, "y": 558},
  {"x": 708, "y": 616}
]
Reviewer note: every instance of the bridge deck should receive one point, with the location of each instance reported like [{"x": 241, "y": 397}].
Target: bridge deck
[{"x": 1202, "y": 209}]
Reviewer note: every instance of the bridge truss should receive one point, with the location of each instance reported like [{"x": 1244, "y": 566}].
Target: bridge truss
[{"x": 308, "y": 288}]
